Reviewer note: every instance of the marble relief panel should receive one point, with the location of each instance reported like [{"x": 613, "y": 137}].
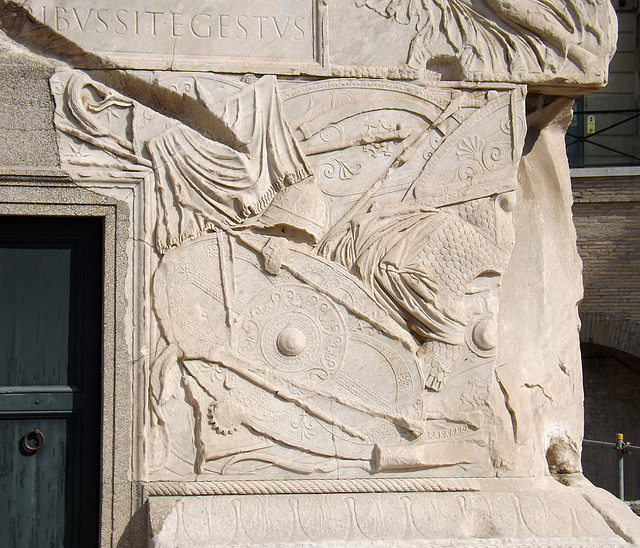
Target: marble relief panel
[{"x": 326, "y": 272}]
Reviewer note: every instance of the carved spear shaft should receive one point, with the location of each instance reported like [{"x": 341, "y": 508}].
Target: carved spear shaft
[{"x": 227, "y": 358}]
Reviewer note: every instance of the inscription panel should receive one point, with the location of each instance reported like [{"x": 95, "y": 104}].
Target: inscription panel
[{"x": 207, "y": 35}]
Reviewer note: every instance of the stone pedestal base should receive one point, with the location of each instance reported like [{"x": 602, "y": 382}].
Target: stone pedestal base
[{"x": 480, "y": 512}]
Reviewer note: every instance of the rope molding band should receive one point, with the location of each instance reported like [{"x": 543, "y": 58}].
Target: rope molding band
[{"x": 306, "y": 486}]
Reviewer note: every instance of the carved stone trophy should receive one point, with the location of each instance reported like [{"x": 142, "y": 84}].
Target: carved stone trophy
[{"x": 352, "y": 291}]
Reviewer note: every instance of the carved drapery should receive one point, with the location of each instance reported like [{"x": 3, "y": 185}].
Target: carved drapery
[
  {"x": 204, "y": 183},
  {"x": 501, "y": 40}
]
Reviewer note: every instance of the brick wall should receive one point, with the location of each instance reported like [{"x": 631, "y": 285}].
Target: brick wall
[{"x": 606, "y": 213}]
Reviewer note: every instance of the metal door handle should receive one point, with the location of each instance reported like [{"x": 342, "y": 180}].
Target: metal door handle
[{"x": 32, "y": 441}]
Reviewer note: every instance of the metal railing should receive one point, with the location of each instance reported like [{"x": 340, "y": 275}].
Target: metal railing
[
  {"x": 589, "y": 143},
  {"x": 613, "y": 466}
]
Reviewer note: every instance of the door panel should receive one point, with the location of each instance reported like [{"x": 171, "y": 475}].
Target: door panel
[
  {"x": 50, "y": 379},
  {"x": 36, "y": 487},
  {"x": 35, "y": 289}
]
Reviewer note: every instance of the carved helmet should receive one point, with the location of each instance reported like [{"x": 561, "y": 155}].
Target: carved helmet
[{"x": 300, "y": 209}]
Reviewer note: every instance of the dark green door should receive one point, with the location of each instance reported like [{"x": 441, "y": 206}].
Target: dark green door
[{"x": 50, "y": 380}]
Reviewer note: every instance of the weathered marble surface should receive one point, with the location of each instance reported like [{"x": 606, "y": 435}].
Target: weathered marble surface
[
  {"x": 389, "y": 293},
  {"x": 507, "y": 40},
  {"x": 525, "y": 513},
  {"x": 352, "y": 302},
  {"x": 302, "y": 343},
  {"x": 550, "y": 42}
]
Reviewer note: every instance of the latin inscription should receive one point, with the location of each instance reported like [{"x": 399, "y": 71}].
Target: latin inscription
[{"x": 214, "y": 28}]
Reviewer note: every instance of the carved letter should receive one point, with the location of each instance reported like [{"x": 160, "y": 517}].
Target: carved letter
[
  {"x": 80, "y": 23},
  {"x": 224, "y": 26},
  {"x": 260, "y": 19},
  {"x": 176, "y": 23},
  {"x": 104, "y": 23},
  {"x": 296, "y": 24},
  {"x": 275, "y": 22},
  {"x": 153, "y": 20},
  {"x": 208, "y": 26},
  {"x": 119, "y": 20},
  {"x": 241, "y": 26},
  {"x": 60, "y": 17}
]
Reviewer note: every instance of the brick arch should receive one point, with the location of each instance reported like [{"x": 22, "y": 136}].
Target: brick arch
[{"x": 611, "y": 331}]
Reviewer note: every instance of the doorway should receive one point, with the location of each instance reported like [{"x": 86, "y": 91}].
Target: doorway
[{"x": 51, "y": 275}]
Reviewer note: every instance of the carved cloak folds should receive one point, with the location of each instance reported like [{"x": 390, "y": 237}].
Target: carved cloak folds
[
  {"x": 204, "y": 183},
  {"x": 403, "y": 257}
]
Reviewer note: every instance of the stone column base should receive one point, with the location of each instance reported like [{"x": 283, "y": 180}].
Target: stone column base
[{"x": 446, "y": 512}]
